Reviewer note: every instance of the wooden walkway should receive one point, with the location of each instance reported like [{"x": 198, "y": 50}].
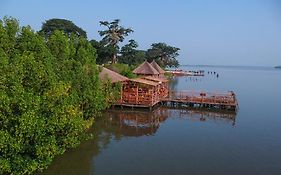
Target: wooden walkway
[
  {"x": 200, "y": 99},
  {"x": 192, "y": 99}
]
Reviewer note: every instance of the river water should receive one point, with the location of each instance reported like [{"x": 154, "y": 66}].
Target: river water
[{"x": 182, "y": 142}]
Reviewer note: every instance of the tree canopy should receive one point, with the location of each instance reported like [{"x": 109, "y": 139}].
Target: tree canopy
[
  {"x": 68, "y": 27},
  {"x": 104, "y": 52},
  {"x": 113, "y": 35},
  {"x": 49, "y": 87},
  {"x": 49, "y": 94},
  {"x": 130, "y": 55},
  {"x": 164, "y": 54}
]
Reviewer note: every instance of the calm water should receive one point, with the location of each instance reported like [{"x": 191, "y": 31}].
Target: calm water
[{"x": 177, "y": 142}]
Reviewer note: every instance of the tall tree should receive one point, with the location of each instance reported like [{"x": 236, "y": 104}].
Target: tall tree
[
  {"x": 68, "y": 27},
  {"x": 130, "y": 55},
  {"x": 113, "y": 35},
  {"x": 104, "y": 52},
  {"x": 164, "y": 54}
]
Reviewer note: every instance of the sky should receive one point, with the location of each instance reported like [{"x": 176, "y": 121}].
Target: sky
[{"x": 208, "y": 32}]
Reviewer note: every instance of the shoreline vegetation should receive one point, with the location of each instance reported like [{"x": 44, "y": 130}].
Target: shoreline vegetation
[
  {"x": 277, "y": 67},
  {"x": 50, "y": 91}
]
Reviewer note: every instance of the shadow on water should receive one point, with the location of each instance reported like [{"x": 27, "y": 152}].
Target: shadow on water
[{"x": 118, "y": 124}]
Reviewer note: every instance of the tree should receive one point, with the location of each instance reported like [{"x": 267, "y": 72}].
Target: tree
[
  {"x": 104, "y": 52},
  {"x": 164, "y": 54},
  {"x": 68, "y": 27},
  {"x": 113, "y": 35},
  {"x": 130, "y": 55},
  {"x": 49, "y": 94}
]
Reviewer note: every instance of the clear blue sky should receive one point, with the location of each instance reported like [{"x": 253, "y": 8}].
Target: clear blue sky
[{"x": 215, "y": 32}]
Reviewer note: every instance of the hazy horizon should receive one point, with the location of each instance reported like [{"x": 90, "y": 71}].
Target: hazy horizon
[{"x": 219, "y": 32}]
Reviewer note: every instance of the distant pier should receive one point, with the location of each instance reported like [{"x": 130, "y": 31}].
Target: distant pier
[{"x": 186, "y": 73}]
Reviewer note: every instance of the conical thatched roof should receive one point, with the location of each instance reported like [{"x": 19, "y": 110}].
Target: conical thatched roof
[
  {"x": 157, "y": 67},
  {"x": 111, "y": 75},
  {"x": 145, "y": 69}
]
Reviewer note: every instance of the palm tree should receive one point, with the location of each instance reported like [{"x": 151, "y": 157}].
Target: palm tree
[{"x": 113, "y": 35}]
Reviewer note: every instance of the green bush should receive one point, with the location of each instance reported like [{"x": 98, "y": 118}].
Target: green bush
[
  {"x": 49, "y": 93},
  {"x": 122, "y": 69}
]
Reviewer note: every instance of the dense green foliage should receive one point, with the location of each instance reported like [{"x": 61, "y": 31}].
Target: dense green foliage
[
  {"x": 130, "y": 55},
  {"x": 104, "y": 52},
  {"x": 49, "y": 93},
  {"x": 163, "y": 54},
  {"x": 114, "y": 34},
  {"x": 122, "y": 69},
  {"x": 108, "y": 49},
  {"x": 50, "y": 90},
  {"x": 68, "y": 27}
]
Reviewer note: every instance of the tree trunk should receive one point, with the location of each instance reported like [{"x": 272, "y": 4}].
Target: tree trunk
[{"x": 114, "y": 58}]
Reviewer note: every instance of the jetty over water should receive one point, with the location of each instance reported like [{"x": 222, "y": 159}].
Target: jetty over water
[
  {"x": 201, "y": 99},
  {"x": 186, "y": 73},
  {"x": 191, "y": 99},
  {"x": 151, "y": 88}
]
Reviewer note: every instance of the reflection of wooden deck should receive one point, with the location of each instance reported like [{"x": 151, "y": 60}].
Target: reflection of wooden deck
[
  {"x": 193, "y": 99},
  {"x": 137, "y": 105}
]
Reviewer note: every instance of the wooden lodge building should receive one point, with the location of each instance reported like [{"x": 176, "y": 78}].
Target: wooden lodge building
[
  {"x": 144, "y": 91},
  {"x": 151, "y": 88}
]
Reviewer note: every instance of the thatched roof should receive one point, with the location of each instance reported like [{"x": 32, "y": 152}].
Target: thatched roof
[
  {"x": 145, "y": 69},
  {"x": 157, "y": 67},
  {"x": 114, "y": 77}
]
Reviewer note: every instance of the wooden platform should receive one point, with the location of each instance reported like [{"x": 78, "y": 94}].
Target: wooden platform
[
  {"x": 192, "y": 99},
  {"x": 201, "y": 99}
]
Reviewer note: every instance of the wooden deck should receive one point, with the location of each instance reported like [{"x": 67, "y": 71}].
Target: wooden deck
[
  {"x": 192, "y": 99},
  {"x": 201, "y": 99}
]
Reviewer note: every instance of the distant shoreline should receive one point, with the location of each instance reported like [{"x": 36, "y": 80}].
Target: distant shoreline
[{"x": 277, "y": 67}]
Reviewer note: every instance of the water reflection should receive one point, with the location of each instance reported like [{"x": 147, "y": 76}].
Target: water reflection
[
  {"x": 226, "y": 117},
  {"x": 137, "y": 123},
  {"x": 117, "y": 124}
]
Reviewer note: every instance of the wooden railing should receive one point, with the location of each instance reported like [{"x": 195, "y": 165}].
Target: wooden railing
[{"x": 203, "y": 97}]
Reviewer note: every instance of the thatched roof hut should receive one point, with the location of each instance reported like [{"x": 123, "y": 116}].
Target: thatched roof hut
[
  {"x": 145, "y": 69},
  {"x": 157, "y": 67},
  {"x": 114, "y": 77}
]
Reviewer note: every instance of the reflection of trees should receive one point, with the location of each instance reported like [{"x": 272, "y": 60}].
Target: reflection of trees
[{"x": 116, "y": 124}]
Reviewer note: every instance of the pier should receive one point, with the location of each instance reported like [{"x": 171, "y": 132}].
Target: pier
[
  {"x": 201, "y": 99},
  {"x": 185, "y": 73},
  {"x": 151, "y": 88},
  {"x": 192, "y": 99}
]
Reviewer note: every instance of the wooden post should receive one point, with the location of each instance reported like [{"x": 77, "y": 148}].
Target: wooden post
[{"x": 137, "y": 95}]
